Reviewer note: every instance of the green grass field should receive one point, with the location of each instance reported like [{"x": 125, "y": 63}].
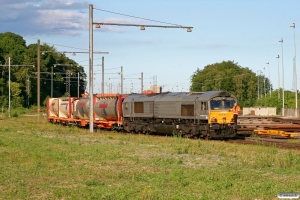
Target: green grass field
[{"x": 47, "y": 161}]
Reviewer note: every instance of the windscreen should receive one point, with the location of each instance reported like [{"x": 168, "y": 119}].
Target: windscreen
[
  {"x": 221, "y": 104},
  {"x": 215, "y": 104},
  {"x": 228, "y": 104}
]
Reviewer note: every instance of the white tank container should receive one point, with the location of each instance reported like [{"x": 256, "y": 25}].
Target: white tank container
[{"x": 107, "y": 108}]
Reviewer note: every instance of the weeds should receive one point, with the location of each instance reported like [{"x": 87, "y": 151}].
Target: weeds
[{"x": 47, "y": 161}]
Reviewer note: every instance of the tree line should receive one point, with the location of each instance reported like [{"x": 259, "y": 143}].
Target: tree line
[
  {"x": 251, "y": 89},
  {"x": 23, "y": 72}
]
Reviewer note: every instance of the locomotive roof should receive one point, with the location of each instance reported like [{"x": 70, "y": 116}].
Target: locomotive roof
[
  {"x": 204, "y": 96},
  {"x": 210, "y": 94}
]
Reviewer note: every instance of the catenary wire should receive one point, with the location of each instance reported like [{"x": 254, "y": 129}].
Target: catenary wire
[{"x": 136, "y": 17}]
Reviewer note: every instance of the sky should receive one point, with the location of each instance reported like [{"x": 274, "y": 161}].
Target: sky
[{"x": 244, "y": 31}]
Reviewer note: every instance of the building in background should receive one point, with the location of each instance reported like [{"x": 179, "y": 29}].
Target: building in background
[{"x": 156, "y": 88}]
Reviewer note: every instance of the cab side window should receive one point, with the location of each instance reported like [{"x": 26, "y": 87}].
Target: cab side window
[{"x": 204, "y": 106}]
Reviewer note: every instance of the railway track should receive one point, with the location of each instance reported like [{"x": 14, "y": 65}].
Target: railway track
[
  {"x": 275, "y": 126},
  {"x": 280, "y": 143}
]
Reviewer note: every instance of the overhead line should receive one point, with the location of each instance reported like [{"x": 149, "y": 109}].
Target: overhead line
[
  {"x": 67, "y": 46},
  {"x": 136, "y": 17}
]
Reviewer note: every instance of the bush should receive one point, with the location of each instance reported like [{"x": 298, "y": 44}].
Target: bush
[{"x": 15, "y": 114}]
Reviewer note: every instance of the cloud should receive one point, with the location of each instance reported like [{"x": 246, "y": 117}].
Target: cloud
[
  {"x": 55, "y": 17},
  {"x": 43, "y": 17},
  {"x": 63, "y": 4},
  {"x": 12, "y": 2},
  {"x": 61, "y": 21}
]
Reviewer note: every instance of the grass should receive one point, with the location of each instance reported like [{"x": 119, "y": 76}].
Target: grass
[{"x": 46, "y": 161}]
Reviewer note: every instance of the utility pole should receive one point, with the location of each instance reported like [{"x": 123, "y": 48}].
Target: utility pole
[
  {"x": 281, "y": 40},
  {"x": 78, "y": 85},
  {"x": 28, "y": 90},
  {"x": 38, "y": 80},
  {"x": 121, "y": 79},
  {"x": 278, "y": 77},
  {"x": 258, "y": 85},
  {"x": 142, "y": 85},
  {"x": 102, "y": 76},
  {"x": 68, "y": 78},
  {"x": 51, "y": 81},
  {"x": 9, "y": 91},
  {"x": 264, "y": 81},
  {"x": 295, "y": 68},
  {"x": 68, "y": 73},
  {"x": 269, "y": 77},
  {"x": 9, "y": 87}
]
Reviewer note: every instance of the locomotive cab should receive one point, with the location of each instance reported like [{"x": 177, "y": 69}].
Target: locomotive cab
[
  {"x": 221, "y": 118},
  {"x": 221, "y": 103},
  {"x": 220, "y": 111}
]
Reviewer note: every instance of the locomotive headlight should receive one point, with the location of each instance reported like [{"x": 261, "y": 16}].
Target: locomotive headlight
[{"x": 213, "y": 120}]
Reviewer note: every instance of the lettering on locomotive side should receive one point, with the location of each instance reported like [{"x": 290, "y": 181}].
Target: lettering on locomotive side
[{"x": 223, "y": 112}]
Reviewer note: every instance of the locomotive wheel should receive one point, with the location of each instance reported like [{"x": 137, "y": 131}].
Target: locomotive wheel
[
  {"x": 145, "y": 130},
  {"x": 179, "y": 133},
  {"x": 189, "y": 135}
]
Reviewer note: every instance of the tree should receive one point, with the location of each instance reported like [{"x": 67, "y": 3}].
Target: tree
[
  {"x": 231, "y": 77},
  {"x": 17, "y": 101},
  {"x": 14, "y": 46}
]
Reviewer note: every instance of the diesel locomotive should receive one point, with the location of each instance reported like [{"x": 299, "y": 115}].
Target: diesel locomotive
[{"x": 187, "y": 114}]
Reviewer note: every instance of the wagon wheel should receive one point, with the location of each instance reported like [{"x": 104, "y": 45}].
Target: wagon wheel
[
  {"x": 78, "y": 124},
  {"x": 114, "y": 127}
]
